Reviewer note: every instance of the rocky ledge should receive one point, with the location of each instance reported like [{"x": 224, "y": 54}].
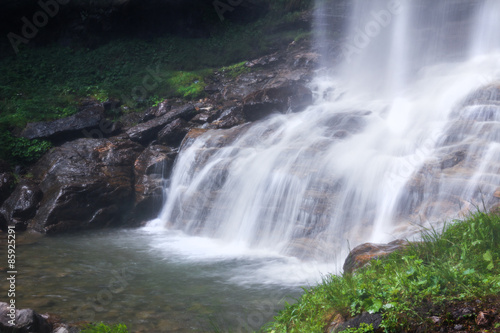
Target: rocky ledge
[{"x": 103, "y": 173}]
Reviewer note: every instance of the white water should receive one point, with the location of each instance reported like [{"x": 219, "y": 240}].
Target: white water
[{"x": 390, "y": 143}]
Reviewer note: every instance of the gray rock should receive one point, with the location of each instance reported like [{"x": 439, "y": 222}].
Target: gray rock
[
  {"x": 75, "y": 126},
  {"x": 173, "y": 133},
  {"x": 86, "y": 183},
  {"x": 148, "y": 131},
  {"x": 22, "y": 205},
  {"x": 26, "y": 321}
]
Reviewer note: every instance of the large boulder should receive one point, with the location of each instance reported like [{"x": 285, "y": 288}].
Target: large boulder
[
  {"x": 77, "y": 125},
  {"x": 26, "y": 321},
  {"x": 361, "y": 255},
  {"x": 281, "y": 97},
  {"x": 87, "y": 183},
  {"x": 22, "y": 205},
  {"x": 7, "y": 184},
  {"x": 173, "y": 133},
  {"x": 148, "y": 131},
  {"x": 151, "y": 169}
]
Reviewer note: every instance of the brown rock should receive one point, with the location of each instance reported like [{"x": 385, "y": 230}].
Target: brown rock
[{"x": 361, "y": 255}]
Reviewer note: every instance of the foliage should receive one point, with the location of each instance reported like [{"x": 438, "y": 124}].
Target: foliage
[
  {"x": 103, "y": 328},
  {"x": 462, "y": 262},
  {"x": 46, "y": 83},
  {"x": 20, "y": 150}
]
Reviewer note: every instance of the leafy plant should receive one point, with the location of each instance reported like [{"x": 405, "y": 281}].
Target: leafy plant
[{"x": 103, "y": 328}]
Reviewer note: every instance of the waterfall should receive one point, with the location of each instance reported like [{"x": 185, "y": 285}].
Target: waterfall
[{"x": 405, "y": 132}]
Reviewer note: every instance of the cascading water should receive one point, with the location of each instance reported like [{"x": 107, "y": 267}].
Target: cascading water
[{"x": 405, "y": 131}]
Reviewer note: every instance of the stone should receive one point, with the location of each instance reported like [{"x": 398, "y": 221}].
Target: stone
[
  {"x": 375, "y": 319},
  {"x": 75, "y": 126},
  {"x": 86, "y": 183},
  {"x": 230, "y": 117},
  {"x": 27, "y": 321},
  {"x": 22, "y": 205},
  {"x": 173, "y": 133},
  {"x": 150, "y": 169},
  {"x": 148, "y": 131},
  {"x": 157, "y": 111},
  {"x": 497, "y": 193},
  {"x": 281, "y": 97},
  {"x": 361, "y": 255},
  {"x": 7, "y": 184}
]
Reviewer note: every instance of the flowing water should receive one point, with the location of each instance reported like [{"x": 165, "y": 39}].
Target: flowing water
[{"x": 404, "y": 132}]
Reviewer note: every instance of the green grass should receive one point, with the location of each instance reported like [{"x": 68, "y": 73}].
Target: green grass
[
  {"x": 460, "y": 263},
  {"x": 103, "y": 328}
]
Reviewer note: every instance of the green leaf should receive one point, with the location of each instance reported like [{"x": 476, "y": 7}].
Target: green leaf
[
  {"x": 487, "y": 256},
  {"x": 376, "y": 306}
]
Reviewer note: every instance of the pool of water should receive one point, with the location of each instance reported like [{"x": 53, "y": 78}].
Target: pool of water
[{"x": 156, "y": 280}]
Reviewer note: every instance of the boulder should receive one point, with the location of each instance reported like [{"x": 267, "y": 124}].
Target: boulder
[
  {"x": 173, "y": 133},
  {"x": 148, "y": 131},
  {"x": 150, "y": 169},
  {"x": 157, "y": 111},
  {"x": 230, "y": 117},
  {"x": 26, "y": 321},
  {"x": 361, "y": 255},
  {"x": 86, "y": 183},
  {"x": 22, "y": 205},
  {"x": 77, "y": 125},
  {"x": 282, "y": 97},
  {"x": 7, "y": 184}
]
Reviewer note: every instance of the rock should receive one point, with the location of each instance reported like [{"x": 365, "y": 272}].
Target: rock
[
  {"x": 265, "y": 61},
  {"x": 211, "y": 89},
  {"x": 22, "y": 205},
  {"x": 77, "y": 125},
  {"x": 26, "y": 321},
  {"x": 231, "y": 117},
  {"x": 150, "y": 169},
  {"x": 4, "y": 167},
  {"x": 452, "y": 160},
  {"x": 173, "y": 133},
  {"x": 192, "y": 135},
  {"x": 497, "y": 193},
  {"x": 147, "y": 132},
  {"x": 361, "y": 255},
  {"x": 207, "y": 116},
  {"x": 278, "y": 98},
  {"x": 157, "y": 111},
  {"x": 7, "y": 184},
  {"x": 375, "y": 319},
  {"x": 87, "y": 183}
]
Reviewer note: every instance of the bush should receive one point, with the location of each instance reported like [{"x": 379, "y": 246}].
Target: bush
[{"x": 103, "y": 328}]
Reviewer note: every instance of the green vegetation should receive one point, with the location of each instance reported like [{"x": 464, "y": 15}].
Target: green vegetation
[
  {"x": 103, "y": 328},
  {"x": 20, "y": 150},
  {"x": 458, "y": 264}
]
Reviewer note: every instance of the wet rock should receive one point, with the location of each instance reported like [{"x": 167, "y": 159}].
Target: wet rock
[
  {"x": 212, "y": 89},
  {"x": 265, "y": 61},
  {"x": 86, "y": 183},
  {"x": 207, "y": 116},
  {"x": 485, "y": 318},
  {"x": 26, "y": 321},
  {"x": 375, "y": 319},
  {"x": 150, "y": 169},
  {"x": 148, "y": 131},
  {"x": 173, "y": 133},
  {"x": 452, "y": 160},
  {"x": 486, "y": 95},
  {"x": 361, "y": 255},
  {"x": 77, "y": 125},
  {"x": 231, "y": 117},
  {"x": 22, "y": 205},
  {"x": 191, "y": 136},
  {"x": 288, "y": 95},
  {"x": 7, "y": 184},
  {"x": 157, "y": 111}
]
